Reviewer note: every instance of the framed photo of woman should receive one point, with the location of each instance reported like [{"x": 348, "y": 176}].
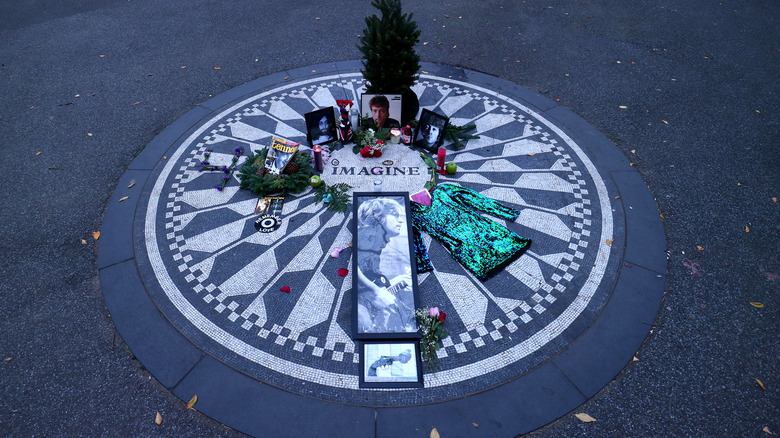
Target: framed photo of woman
[
  {"x": 384, "y": 272},
  {"x": 390, "y": 364},
  {"x": 321, "y": 126},
  {"x": 430, "y": 132}
]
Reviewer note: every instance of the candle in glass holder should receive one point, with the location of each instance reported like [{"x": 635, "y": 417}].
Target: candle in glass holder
[
  {"x": 440, "y": 161},
  {"x": 395, "y": 135},
  {"x": 318, "y": 158}
]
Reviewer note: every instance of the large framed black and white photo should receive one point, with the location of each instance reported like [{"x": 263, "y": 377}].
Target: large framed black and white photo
[
  {"x": 321, "y": 126},
  {"x": 384, "y": 273},
  {"x": 390, "y": 364},
  {"x": 385, "y": 109},
  {"x": 430, "y": 132}
]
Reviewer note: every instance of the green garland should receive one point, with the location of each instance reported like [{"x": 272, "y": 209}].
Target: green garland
[{"x": 253, "y": 178}]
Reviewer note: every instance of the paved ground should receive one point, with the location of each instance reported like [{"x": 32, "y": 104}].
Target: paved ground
[{"x": 90, "y": 85}]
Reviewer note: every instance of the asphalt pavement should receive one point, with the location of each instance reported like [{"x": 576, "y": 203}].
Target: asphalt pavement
[{"x": 688, "y": 92}]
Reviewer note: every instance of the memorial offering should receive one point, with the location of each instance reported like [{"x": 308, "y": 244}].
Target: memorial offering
[
  {"x": 390, "y": 364},
  {"x": 258, "y": 171}
]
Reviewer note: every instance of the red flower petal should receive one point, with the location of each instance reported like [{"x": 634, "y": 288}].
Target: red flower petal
[
  {"x": 343, "y": 272},
  {"x": 442, "y": 316},
  {"x": 285, "y": 289}
]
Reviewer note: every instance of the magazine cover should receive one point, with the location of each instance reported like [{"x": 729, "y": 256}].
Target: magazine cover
[{"x": 279, "y": 155}]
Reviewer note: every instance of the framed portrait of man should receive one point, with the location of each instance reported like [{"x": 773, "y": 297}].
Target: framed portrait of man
[
  {"x": 385, "y": 109},
  {"x": 384, "y": 272},
  {"x": 321, "y": 126},
  {"x": 390, "y": 364},
  {"x": 430, "y": 132}
]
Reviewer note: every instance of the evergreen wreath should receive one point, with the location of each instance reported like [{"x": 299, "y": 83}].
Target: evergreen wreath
[{"x": 294, "y": 178}]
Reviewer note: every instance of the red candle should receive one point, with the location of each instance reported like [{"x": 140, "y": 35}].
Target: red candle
[
  {"x": 440, "y": 161},
  {"x": 317, "y": 158}
]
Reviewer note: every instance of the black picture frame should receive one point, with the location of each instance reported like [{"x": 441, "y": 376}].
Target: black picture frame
[
  {"x": 428, "y": 120},
  {"x": 390, "y": 364},
  {"x": 394, "y": 108},
  {"x": 384, "y": 272},
  {"x": 314, "y": 133}
]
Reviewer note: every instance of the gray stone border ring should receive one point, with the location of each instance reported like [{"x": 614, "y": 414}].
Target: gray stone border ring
[{"x": 258, "y": 324}]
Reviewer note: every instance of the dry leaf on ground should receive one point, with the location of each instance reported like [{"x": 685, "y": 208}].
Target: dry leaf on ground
[
  {"x": 774, "y": 198},
  {"x": 192, "y": 401},
  {"x": 38, "y": 153},
  {"x": 761, "y": 384},
  {"x": 124, "y": 198},
  {"x": 700, "y": 248},
  {"x": 609, "y": 241},
  {"x": 585, "y": 418},
  {"x": 757, "y": 305},
  {"x": 475, "y": 424},
  {"x": 747, "y": 229},
  {"x": 766, "y": 430},
  {"x": 8, "y": 359},
  {"x": 434, "y": 433},
  {"x": 83, "y": 242},
  {"x": 158, "y": 419},
  {"x": 132, "y": 183},
  {"x": 96, "y": 235}
]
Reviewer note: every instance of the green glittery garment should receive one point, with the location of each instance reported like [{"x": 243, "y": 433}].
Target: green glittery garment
[{"x": 478, "y": 243}]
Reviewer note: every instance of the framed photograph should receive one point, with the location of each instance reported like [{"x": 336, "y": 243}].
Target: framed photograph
[
  {"x": 385, "y": 109},
  {"x": 384, "y": 272},
  {"x": 430, "y": 132},
  {"x": 390, "y": 364},
  {"x": 321, "y": 126}
]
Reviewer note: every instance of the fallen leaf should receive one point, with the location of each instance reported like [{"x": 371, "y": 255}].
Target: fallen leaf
[
  {"x": 665, "y": 122},
  {"x": 316, "y": 18},
  {"x": 78, "y": 95},
  {"x": 136, "y": 103},
  {"x": 165, "y": 157},
  {"x": 83, "y": 242},
  {"x": 8, "y": 359},
  {"x": 435, "y": 433},
  {"x": 747, "y": 230},
  {"x": 192, "y": 402},
  {"x": 425, "y": 43},
  {"x": 102, "y": 56},
  {"x": 285, "y": 289},
  {"x": 761, "y": 384},
  {"x": 700, "y": 248},
  {"x": 343, "y": 272},
  {"x": 38, "y": 153},
  {"x": 617, "y": 197},
  {"x": 217, "y": 68},
  {"x": 585, "y": 418},
  {"x": 609, "y": 241},
  {"x": 662, "y": 216},
  {"x": 774, "y": 198},
  {"x": 132, "y": 183},
  {"x": 618, "y": 62},
  {"x": 475, "y": 424},
  {"x": 766, "y": 430},
  {"x": 158, "y": 419},
  {"x": 124, "y": 198},
  {"x": 622, "y": 107},
  {"x": 631, "y": 164},
  {"x": 757, "y": 305},
  {"x": 96, "y": 235},
  {"x": 183, "y": 66},
  {"x": 89, "y": 134},
  {"x": 633, "y": 151},
  {"x": 635, "y": 359},
  {"x": 349, "y": 244}
]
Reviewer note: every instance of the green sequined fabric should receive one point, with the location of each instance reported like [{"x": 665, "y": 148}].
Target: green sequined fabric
[{"x": 478, "y": 243}]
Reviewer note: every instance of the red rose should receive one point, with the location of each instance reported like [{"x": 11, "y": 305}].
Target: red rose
[
  {"x": 442, "y": 316},
  {"x": 365, "y": 152},
  {"x": 377, "y": 154}
]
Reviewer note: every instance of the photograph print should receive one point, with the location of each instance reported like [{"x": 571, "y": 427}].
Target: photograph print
[
  {"x": 430, "y": 133},
  {"x": 385, "y": 109},
  {"x": 390, "y": 364},
  {"x": 321, "y": 126},
  {"x": 384, "y": 280}
]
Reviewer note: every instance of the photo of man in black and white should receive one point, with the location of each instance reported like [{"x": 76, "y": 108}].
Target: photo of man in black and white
[{"x": 384, "y": 278}]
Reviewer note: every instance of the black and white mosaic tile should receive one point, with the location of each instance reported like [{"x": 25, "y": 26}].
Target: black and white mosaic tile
[{"x": 218, "y": 280}]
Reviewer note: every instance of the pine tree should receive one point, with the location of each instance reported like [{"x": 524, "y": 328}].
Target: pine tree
[{"x": 389, "y": 60}]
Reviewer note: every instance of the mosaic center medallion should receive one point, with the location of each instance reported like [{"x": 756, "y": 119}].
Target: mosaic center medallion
[{"x": 218, "y": 279}]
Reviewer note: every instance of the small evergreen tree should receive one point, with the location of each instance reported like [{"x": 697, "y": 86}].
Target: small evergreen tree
[{"x": 389, "y": 60}]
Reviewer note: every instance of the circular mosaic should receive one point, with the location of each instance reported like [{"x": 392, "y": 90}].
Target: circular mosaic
[{"x": 219, "y": 280}]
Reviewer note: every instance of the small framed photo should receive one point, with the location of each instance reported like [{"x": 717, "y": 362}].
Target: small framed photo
[
  {"x": 390, "y": 364},
  {"x": 430, "y": 133},
  {"x": 385, "y": 109},
  {"x": 321, "y": 126},
  {"x": 384, "y": 280}
]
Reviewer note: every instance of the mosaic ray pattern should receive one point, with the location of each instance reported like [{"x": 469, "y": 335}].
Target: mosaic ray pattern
[{"x": 218, "y": 280}]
